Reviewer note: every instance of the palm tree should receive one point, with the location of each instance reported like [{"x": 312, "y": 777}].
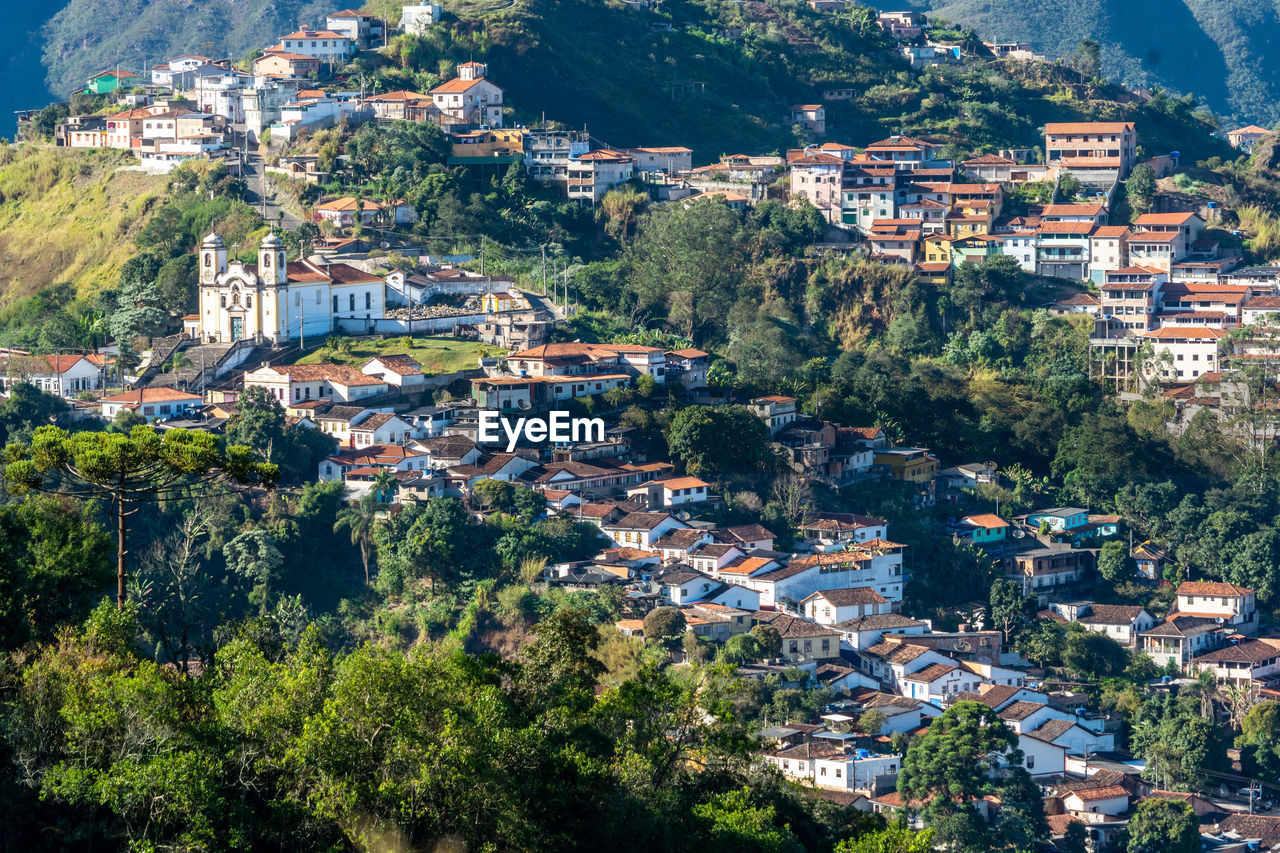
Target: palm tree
[
  {"x": 361, "y": 518},
  {"x": 619, "y": 207},
  {"x": 1206, "y": 687},
  {"x": 384, "y": 485}
]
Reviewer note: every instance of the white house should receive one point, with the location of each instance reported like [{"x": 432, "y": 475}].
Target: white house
[
  {"x": 1095, "y": 805},
  {"x": 325, "y": 45},
  {"x": 294, "y": 382},
  {"x": 1236, "y": 604},
  {"x": 401, "y": 371},
  {"x": 641, "y": 529},
  {"x": 866, "y": 631},
  {"x": 468, "y": 99},
  {"x": 1240, "y": 664},
  {"x": 824, "y": 766},
  {"x": 937, "y": 682},
  {"x": 1191, "y": 350},
  {"x": 380, "y": 428},
  {"x": 1075, "y": 738},
  {"x": 673, "y": 491},
  {"x": 1120, "y": 622},
  {"x": 151, "y": 403},
  {"x": 833, "y": 606},
  {"x": 776, "y": 410},
  {"x": 418, "y": 20},
  {"x": 1179, "y": 638},
  {"x": 63, "y": 375},
  {"x": 1041, "y": 758}
]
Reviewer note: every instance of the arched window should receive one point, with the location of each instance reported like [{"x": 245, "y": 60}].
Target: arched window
[
  {"x": 351, "y": 302},
  {"x": 266, "y": 260},
  {"x": 208, "y": 260},
  {"x": 224, "y": 300},
  {"x": 248, "y": 302}
]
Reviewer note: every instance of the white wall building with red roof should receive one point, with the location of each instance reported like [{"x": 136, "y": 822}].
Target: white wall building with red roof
[
  {"x": 279, "y": 300},
  {"x": 152, "y": 403}
]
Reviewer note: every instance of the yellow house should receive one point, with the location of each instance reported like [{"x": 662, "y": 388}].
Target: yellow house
[
  {"x": 505, "y": 300},
  {"x": 908, "y": 464},
  {"x": 968, "y": 218},
  {"x": 937, "y": 249},
  {"x": 498, "y": 142}
]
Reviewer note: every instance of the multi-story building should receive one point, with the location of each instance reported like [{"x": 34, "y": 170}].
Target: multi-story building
[
  {"x": 418, "y": 20},
  {"x": 468, "y": 99},
  {"x": 1162, "y": 239},
  {"x": 594, "y": 173},
  {"x": 363, "y": 30},
  {"x": 1108, "y": 251},
  {"x": 819, "y": 178},
  {"x": 811, "y": 117},
  {"x": 903, "y": 152},
  {"x": 1091, "y": 146},
  {"x": 1236, "y": 605},
  {"x": 548, "y": 153},
  {"x": 1182, "y": 352},
  {"x": 1131, "y": 297},
  {"x": 1048, "y": 572},
  {"x": 908, "y": 464},
  {"x": 325, "y": 45},
  {"x": 1062, "y": 249},
  {"x": 670, "y": 160}
]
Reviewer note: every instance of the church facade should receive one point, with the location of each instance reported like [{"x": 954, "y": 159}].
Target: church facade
[{"x": 282, "y": 301}]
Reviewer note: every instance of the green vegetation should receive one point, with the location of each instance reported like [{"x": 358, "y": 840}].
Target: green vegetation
[
  {"x": 88, "y": 36},
  {"x": 69, "y": 216},
  {"x": 1207, "y": 48},
  {"x": 437, "y": 355}
]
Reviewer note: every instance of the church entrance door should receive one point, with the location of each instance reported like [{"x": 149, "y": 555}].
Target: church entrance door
[{"x": 237, "y": 328}]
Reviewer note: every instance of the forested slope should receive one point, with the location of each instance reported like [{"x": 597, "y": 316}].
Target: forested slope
[{"x": 1218, "y": 50}]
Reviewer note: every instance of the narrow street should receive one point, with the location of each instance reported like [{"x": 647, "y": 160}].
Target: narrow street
[{"x": 253, "y": 172}]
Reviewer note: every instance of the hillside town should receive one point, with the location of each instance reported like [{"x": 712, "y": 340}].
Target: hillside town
[{"x": 884, "y": 595}]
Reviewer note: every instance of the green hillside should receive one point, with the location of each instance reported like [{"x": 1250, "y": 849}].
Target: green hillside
[
  {"x": 88, "y": 36},
  {"x": 68, "y": 216},
  {"x": 1221, "y": 51},
  {"x": 721, "y": 78},
  {"x": 717, "y": 77}
]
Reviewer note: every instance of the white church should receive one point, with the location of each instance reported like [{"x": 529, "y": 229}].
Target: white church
[{"x": 280, "y": 301}]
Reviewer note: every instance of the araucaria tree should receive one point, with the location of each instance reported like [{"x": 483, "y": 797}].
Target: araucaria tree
[
  {"x": 141, "y": 467},
  {"x": 967, "y": 754}
]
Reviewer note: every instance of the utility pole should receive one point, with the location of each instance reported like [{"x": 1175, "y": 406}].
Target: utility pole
[
  {"x": 482, "y": 247},
  {"x": 1255, "y": 790},
  {"x": 544, "y": 269},
  {"x": 302, "y": 324}
]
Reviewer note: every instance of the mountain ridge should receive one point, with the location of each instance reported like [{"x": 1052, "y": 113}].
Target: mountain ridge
[{"x": 1215, "y": 50}]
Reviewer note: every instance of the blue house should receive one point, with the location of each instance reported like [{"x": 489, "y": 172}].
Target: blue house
[{"x": 1061, "y": 519}]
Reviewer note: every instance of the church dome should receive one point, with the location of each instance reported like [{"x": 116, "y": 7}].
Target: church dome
[
  {"x": 212, "y": 240},
  {"x": 272, "y": 241}
]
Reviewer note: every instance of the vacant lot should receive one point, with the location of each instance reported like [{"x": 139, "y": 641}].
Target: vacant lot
[{"x": 437, "y": 355}]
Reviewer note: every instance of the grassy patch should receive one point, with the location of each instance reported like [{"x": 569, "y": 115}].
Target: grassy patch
[
  {"x": 69, "y": 216},
  {"x": 437, "y": 355}
]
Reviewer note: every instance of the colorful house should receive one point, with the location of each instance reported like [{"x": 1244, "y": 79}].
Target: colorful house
[
  {"x": 986, "y": 528},
  {"x": 108, "y": 81}
]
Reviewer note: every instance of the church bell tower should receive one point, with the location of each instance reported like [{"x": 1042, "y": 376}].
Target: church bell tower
[
  {"x": 213, "y": 260},
  {"x": 272, "y": 270}
]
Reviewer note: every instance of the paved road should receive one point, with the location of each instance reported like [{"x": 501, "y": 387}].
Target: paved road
[{"x": 252, "y": 172}]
